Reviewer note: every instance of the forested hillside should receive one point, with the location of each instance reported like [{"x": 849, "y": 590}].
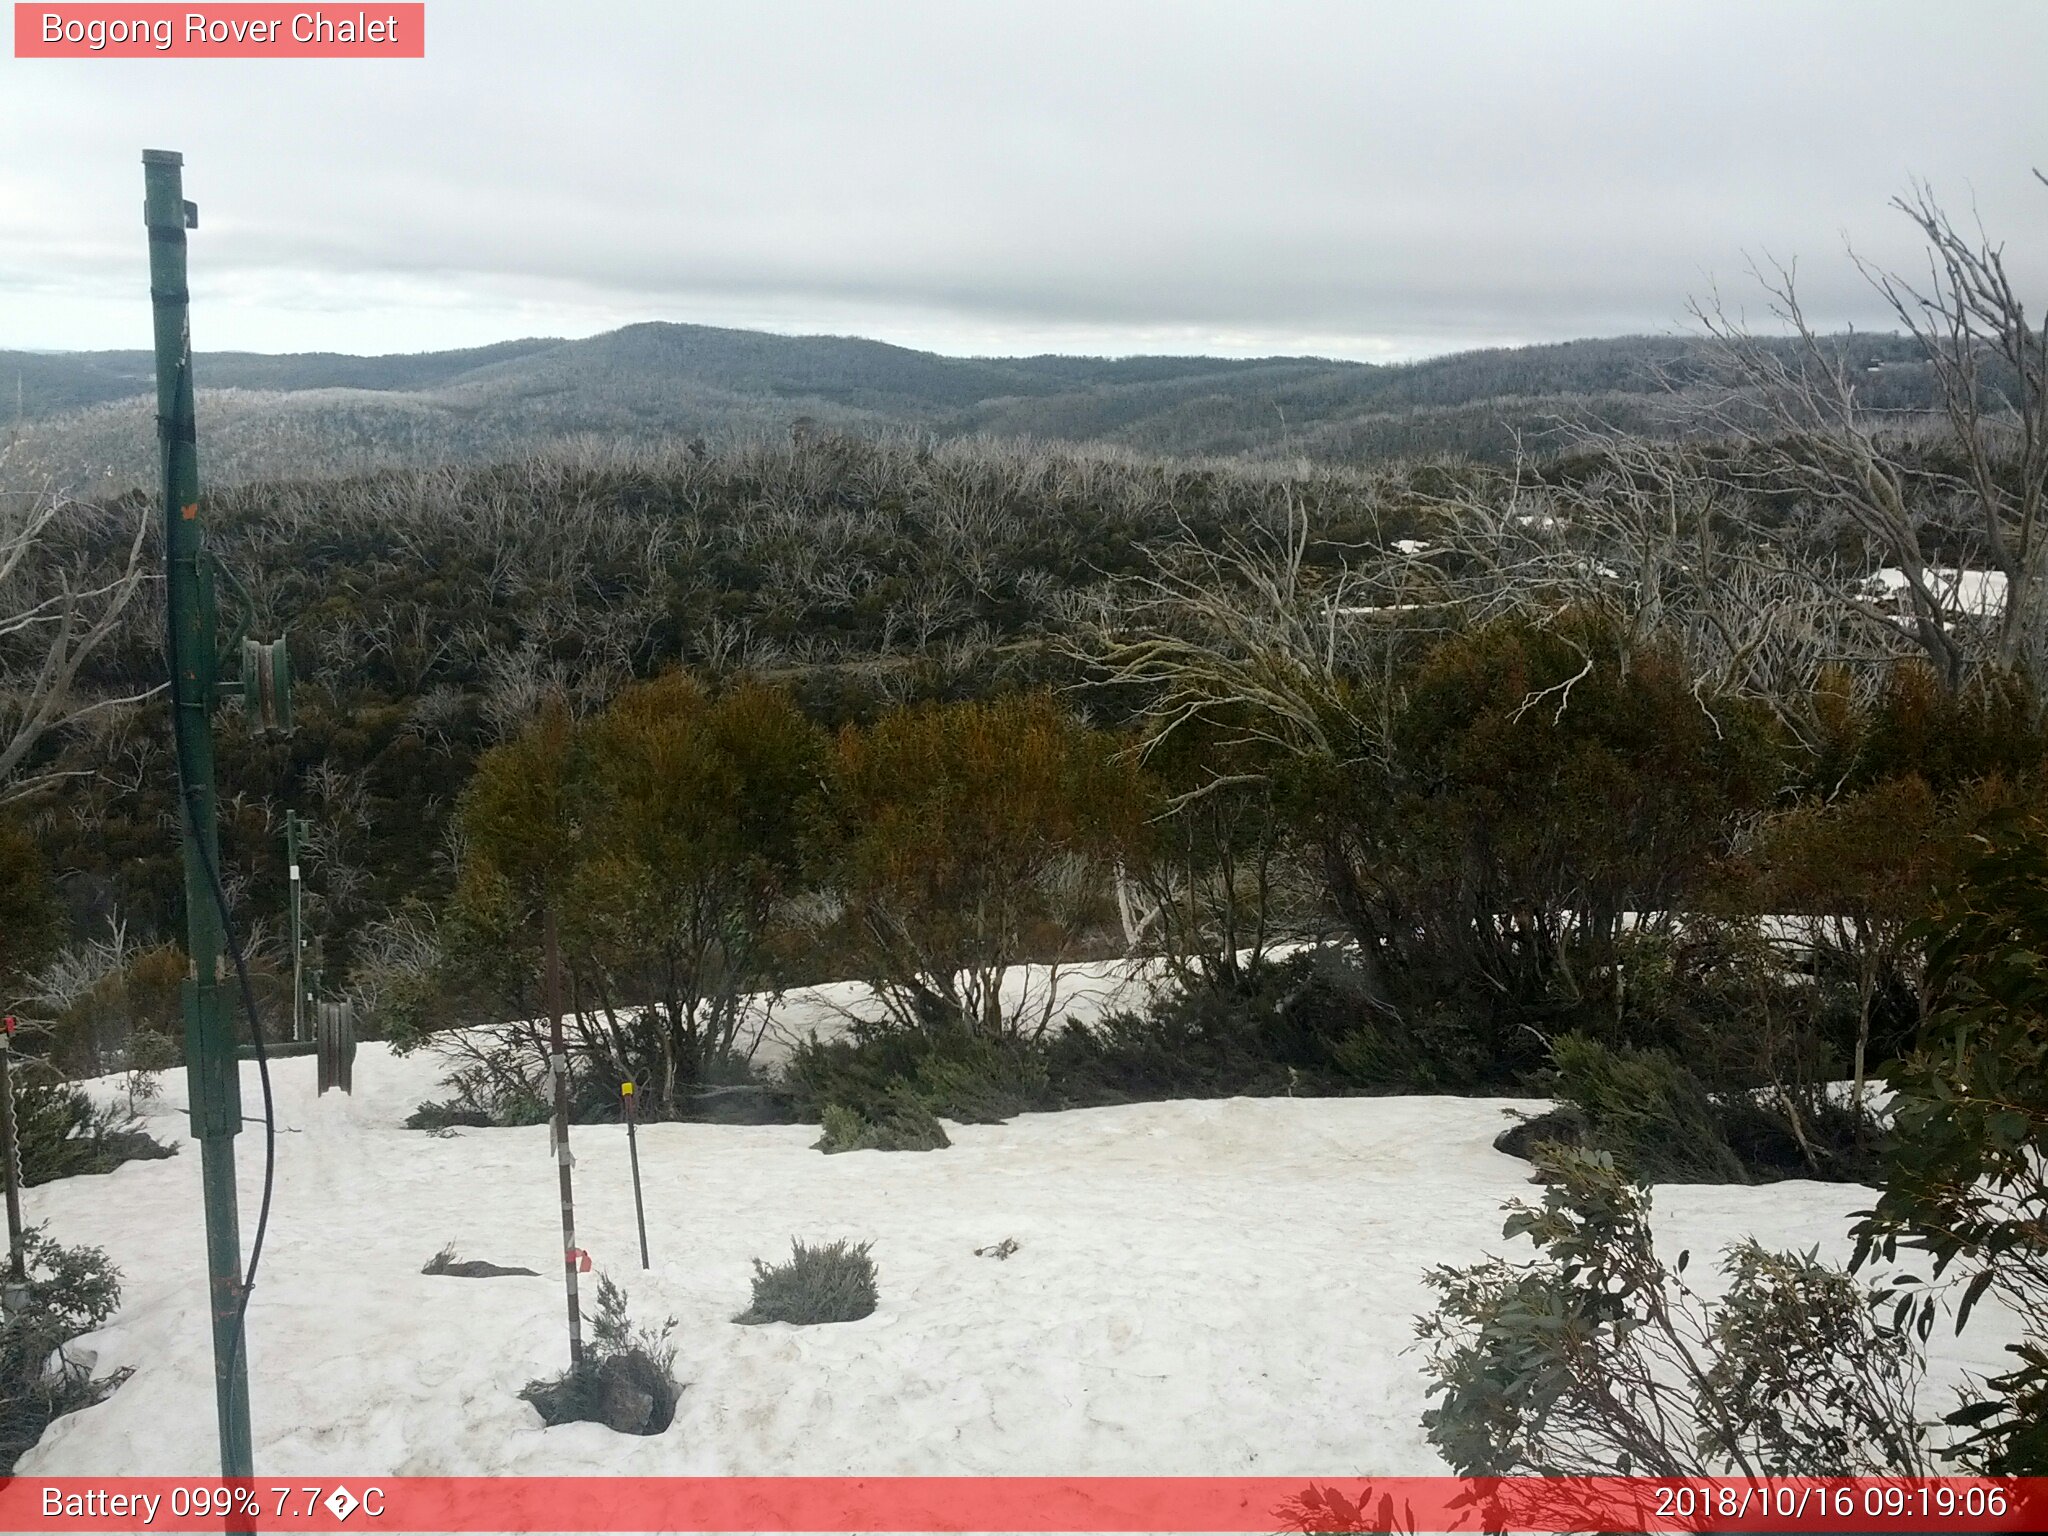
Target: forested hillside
[{"x": 84, "y": 417}]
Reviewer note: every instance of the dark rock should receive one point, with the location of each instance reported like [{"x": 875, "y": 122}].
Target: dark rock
[
  {"x": 623, "y": 1406},
  {"x": 1562, "y": 1127}
]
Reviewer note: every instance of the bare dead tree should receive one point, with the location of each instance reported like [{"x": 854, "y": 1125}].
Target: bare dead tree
[
  {"x": 54, "y": 613},
  {"x": 1802, "y": 426},
  {"x": 1672, "y": 552}
]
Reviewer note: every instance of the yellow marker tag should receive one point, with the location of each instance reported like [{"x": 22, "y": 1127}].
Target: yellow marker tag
[{"x": 625, "y": 1087}]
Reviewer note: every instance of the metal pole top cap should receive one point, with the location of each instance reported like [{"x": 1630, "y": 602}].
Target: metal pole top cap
[{"x": 162, "y": 157}]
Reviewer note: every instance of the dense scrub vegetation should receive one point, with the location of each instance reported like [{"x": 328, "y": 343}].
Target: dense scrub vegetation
[{"x": 1674, "y": 772}]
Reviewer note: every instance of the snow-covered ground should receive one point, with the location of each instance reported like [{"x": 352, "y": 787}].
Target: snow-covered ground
[{"x": 1199, "y": 1288}]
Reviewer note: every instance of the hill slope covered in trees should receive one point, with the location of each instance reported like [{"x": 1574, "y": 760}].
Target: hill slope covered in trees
[{"x": 86, "y": 415}]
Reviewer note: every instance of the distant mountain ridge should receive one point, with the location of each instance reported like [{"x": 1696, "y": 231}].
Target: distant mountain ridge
[{"x": 317, "y": 413}]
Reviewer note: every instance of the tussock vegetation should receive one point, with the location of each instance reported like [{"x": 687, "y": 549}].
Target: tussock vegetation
[{"x": 829, "y": 1283}]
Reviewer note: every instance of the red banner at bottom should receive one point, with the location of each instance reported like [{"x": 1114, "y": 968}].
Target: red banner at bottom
[{"x": 1023, "y": 1504}]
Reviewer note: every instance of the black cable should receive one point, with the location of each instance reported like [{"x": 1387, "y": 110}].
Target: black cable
[
  {"x": 220, "y": 901},
  {"x": 234, "y": 948}
]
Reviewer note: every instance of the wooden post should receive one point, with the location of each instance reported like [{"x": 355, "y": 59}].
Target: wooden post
[
  {"x": 633, "y": 1153},
  {"x": 558, "y": 1069},
  {"x": 16, "y": 1287}
]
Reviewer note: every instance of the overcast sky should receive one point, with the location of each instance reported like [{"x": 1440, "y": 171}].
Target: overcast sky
[{"x": 1364, "y": 179}]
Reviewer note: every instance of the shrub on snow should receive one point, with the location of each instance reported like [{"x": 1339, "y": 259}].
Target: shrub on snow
[
  {"x": 830, "y": 1284},
  {"x": 70, "y": 1291},
  {"x": 627, "y": 1379},
  {"x": 1596, "y": 1358}
]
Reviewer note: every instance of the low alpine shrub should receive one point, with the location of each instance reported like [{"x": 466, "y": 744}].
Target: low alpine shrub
[
  {"x": 70, "y": 1291},
  {"x": 834, "y": 1283},
  {"x": 627, "y": 1379},
  {"x": 1596, "y": 1358}
]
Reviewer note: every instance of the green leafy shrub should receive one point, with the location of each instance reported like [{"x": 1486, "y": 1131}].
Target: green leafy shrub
[
  {"x": 627, "y": 1379},
  {"x": 1647, "y": 1111},
  {"x": 1965, "y": 1180},
  {"x": 63, "y": 1132},
  {"x": 982, "y": 1081},
  {"x": 1306, "y": 1024},
  {"x": 504, "y": 1090},
  {"x": 1596, "y": 1358},
  {"x": 70, "y": 1291},
  {"x": 902, "y": 1123},
  {"x": 971, "y": 1079},
  {"x": 1302, "y": 1025},
  {"x": 834, "y": 1283},
  {"x": 1657, "y": 1117}
]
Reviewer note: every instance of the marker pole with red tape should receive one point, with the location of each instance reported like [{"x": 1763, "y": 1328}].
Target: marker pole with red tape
[{"x": 10, "y": 1159}]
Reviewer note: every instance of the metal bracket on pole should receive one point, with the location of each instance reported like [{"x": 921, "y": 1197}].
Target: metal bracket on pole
[{"x": 267, "y": 686}]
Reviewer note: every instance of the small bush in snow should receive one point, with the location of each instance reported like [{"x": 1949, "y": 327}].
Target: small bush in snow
[
  {"x": 1597, "y": 1359},
  {"x": 832, "y": 1284},
  {"x": 952, "y": 1072},
  {"x": 627, "y": 1380},
  {"x": 1648, "y": 1111},
  {"x": 71, "y": 1291},
  {"x": 901, "y": 1123},
  {"x": 1305, "y": 1025},
  {"x": 1660, "y": 1121},
  {"x": 63, "y": 1132}
]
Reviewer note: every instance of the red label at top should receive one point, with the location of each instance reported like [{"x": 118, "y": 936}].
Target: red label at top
[{"x": 241, "y": 31}]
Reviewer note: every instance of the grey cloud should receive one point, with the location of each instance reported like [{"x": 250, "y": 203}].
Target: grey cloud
[{"x": 1380, "y": 177}]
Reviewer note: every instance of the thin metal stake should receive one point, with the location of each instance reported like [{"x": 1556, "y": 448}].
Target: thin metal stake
[{"x": 633, "y": 1152}]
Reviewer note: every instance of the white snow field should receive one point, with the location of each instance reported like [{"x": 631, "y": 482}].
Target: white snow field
[{"x": 1199, "y": 1288}]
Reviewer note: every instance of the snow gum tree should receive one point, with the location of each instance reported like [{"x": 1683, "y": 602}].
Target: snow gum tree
[
  {"x": 668, "y": 833},
  {"x": 976, "y": 836},
  {"x": 704, "y": 817}
]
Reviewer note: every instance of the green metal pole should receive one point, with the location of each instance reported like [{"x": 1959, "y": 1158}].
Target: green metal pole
[{"x": 213, "y": 1079}]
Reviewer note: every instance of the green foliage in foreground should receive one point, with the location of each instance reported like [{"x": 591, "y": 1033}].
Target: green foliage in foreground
[
  {"x": 1596, "y": 1358},
  {"x": 1965, "y": 1182},
  {"x": 71, "y": 1291}
]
